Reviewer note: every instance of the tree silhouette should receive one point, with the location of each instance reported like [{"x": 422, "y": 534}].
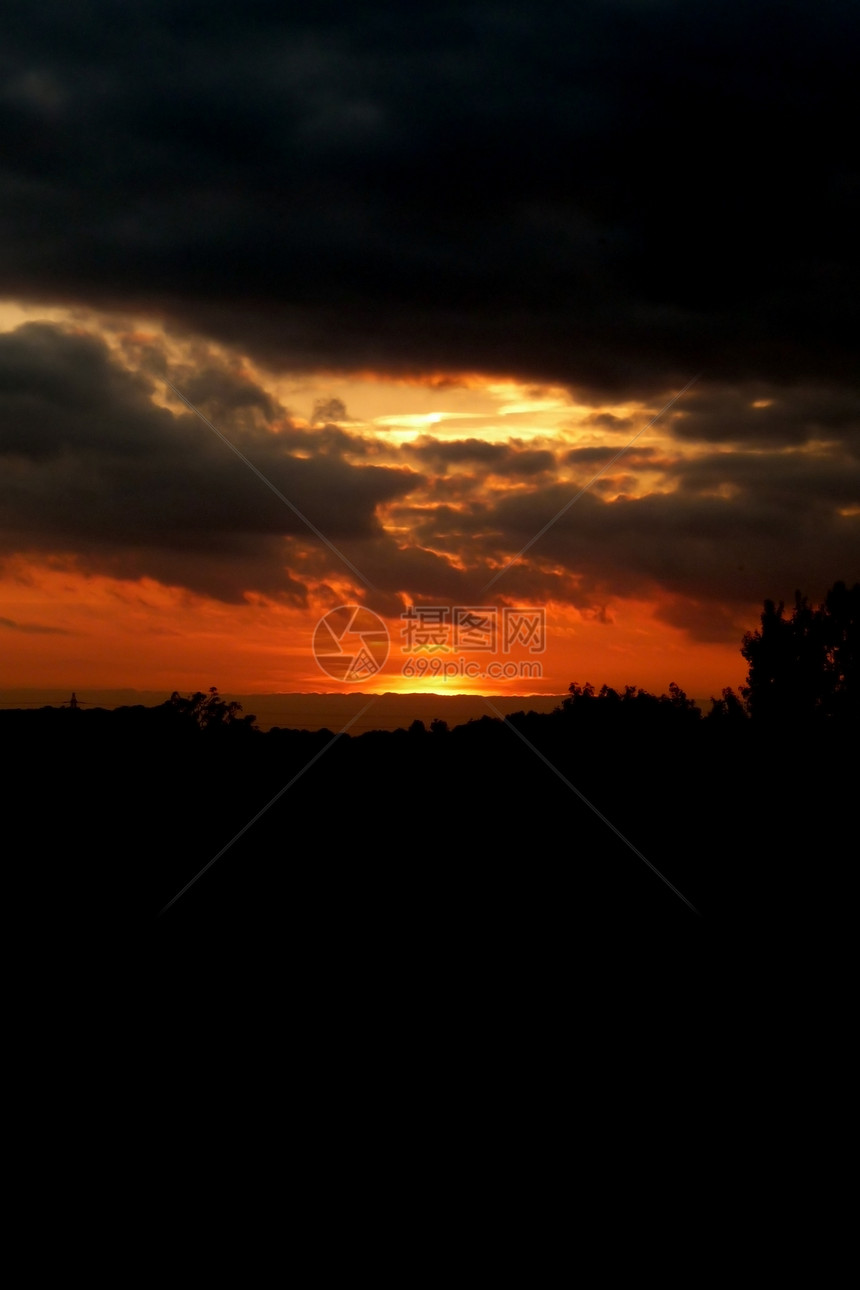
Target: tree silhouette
[
  {"x": 805, "y": 666},
  {"x": 841, "y": 640},
  {"x": 634, "y": 704},
  {"x": 728, "y": 708},
  {"x": 209, "y": 711}
]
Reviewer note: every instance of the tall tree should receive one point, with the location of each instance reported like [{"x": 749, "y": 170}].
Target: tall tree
[{"x": 806, "y": 665}]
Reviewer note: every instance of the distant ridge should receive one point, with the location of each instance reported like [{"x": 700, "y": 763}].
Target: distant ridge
[{"x": 311, "y": 711}]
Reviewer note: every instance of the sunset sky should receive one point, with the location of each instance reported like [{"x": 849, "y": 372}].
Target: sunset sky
[{"x": 429, "y": 272}]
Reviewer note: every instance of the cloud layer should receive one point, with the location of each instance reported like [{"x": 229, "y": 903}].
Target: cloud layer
[
  {"x": 94, "y": 469},
  {"x": 612, "y": 194},
  {"x": 98, "y": 471},
  {"x": 607, "y": 197}
]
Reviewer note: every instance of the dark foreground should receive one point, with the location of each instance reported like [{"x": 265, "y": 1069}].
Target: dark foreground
[{"x": 496, "y": 842}]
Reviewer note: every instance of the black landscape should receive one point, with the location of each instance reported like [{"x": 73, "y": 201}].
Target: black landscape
[{"x": 518, "y": 836}]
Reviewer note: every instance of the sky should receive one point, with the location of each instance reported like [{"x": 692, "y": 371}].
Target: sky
[{"x": 483, "y": 316}]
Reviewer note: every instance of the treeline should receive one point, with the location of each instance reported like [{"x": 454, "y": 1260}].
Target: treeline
[
  {"x": 529, "y": 828},
  {"x": 804, "y": 667}
]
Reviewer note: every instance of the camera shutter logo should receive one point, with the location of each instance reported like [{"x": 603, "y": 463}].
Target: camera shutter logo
[{"x": 351, "y": 643}]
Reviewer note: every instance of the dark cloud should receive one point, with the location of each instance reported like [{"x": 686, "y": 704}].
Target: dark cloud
[
  {"x": 397, "y": 572},
  {"x": 800, "y": 481},
  {"x": 225, "y": 393},
  {"x": 713, "y": 548},
  {"x": 608, "y": 421},
  {"x": 529, "y": 462},
  {"x": 508, "y": 459},
  {"x": 444, "y": 452},
  {"x": 763, "y": 414},
  {"x": 93, "y": 468},
  {"x": 97, "y": 472},
  {"x": 597, "y": 456},
  {"x": 328, "y": 410},
  {"x": 9, "y": 624},
  {"x": 714, "y": 556},
  {"x": 51, "y": 379},
  {"x": 704, "y": 620},
  {"x": 610, "y": 194}
]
